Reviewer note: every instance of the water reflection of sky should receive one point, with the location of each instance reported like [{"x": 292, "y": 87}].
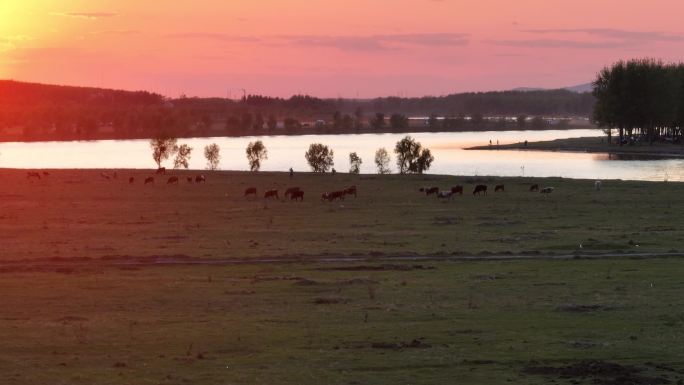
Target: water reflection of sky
[{"x": 288, "y": 151}]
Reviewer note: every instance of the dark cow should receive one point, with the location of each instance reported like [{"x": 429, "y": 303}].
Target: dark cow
[
  {"x": 104, "y": 175},
  {"x": 251, "y": 191},
  {"x": 291, "y": 190},
  {"x": 189, "y": 179},
  {"x": 546, "y": 190},
  {"x": 45, "y": 173},
  {"x": 331, "y": 196},
  {"x": 149, "y": 179},
  {"x": 534, "y": 187},
  {"x": 297, "y": 195},
  {"x": 32, "y": 174},
  {"x": 431, "y": 190},
  {"x": 172, "y": 180},
  {"x": 444, "y": 195},
  {"x": 351, "y": 190},
  {"x": 499, "y": 187},
  {"x": 271, "y": 194},
  {"x": 201, "y": 179},
  {"x": 480, "y": 188},
  {"x": 131, "y": 180},
  {"x": 161, "y": 171},
  {"x": 457, "y": 190}
]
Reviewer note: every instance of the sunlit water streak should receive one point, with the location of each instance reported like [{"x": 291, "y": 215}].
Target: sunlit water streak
[{"x": 288, "y": 151}]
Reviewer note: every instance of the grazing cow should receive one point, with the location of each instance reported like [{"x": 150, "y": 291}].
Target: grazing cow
[
  {"x": 457, "y": 190},
  {"x": 46, "y": 173},
  {"x": 291, "y": 190},
  {"x": 499, "y": 187},
  {"x": 534, "y": 187},
  {"x": 172, "y": 180},
  {"x": 431, "y": 190},
  {"x": 422, "y": 189},
  {"x": 189, "y": 179},
  {"x": 131, "y": 180},
  {"x": 351, "y": 190},
  {"x": 331, "y": 196},
  {"x": 251, "y": 191},
  {"x": 480, "y": 188},
  {"x": 597, "y": 185},
  {"x": 104, "y": 175},
  {"x": 297, "y": 195},
  {"x": 149, "y": 179},
  {"x": 271, "y": 194},
  {"x": 444, "y": 195},
  {"x": 161, "y": 170},
  {"x": 32, "y": 174},
  {"x": 200, "y": 179},
  {"x": 546, "y": 190}
]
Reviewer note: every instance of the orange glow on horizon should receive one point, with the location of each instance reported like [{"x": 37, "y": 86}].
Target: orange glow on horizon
[{"x": 329, "y": 48}]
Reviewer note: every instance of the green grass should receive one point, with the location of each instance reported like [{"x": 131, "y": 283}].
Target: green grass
[
  {"x": 303, "y": 321},
  {"x": 79, "y": 214},
  {"x": 478, "y": 322}
]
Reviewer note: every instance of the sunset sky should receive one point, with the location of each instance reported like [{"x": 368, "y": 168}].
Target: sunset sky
[{"x": 330, "y": 48}]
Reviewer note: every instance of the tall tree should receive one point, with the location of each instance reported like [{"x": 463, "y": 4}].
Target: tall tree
[
  {"x": 213, "y": 154},
  {"x": 319, "y": 157},
  {"x": 412, "y": 157},
  {"x": 256, "y": 153}
]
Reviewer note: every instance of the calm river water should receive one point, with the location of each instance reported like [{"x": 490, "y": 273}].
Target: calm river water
[{"x": 288, "y": 151}]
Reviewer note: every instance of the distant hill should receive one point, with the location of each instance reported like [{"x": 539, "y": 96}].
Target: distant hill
[
  {"x": 580, "y": 88},
  {"x": 22, "y": 94}
]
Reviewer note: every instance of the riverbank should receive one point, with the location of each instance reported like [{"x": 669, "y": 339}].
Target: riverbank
[{"x": 592, "y": 145}]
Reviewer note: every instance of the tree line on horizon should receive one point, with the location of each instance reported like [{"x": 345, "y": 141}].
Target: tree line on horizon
[
  {"x": 643, "y": 99},
  {"x": 38, "y": 112}
]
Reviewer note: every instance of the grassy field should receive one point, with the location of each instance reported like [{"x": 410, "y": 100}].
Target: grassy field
[
  {"x": 593, "y": 144},
  {"x": 79, "y": 214},
  {"x": 476, "y": 322},
  {"x": 85, "y": 301}
]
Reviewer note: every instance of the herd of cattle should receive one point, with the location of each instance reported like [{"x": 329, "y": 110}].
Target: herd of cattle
[
  {"x": 297, "y": 194},
  {"x": 480, "y": 189}
]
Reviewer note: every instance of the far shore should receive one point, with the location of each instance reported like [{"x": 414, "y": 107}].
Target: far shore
[{"x": 597, "y": 145}]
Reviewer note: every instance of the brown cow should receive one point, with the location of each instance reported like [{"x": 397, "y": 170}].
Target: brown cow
[
  {"x": 431, "y": 190},
  {"x": 251, "y": 191},
  {"x": 149, "y": 180},
  {"x": 32, "y": 174},
  {"x": 189, "y": 179},
  {"x": 172, "y": 180},
  {"x": 297, "y": 195},
  {"x": 104, "y": 175},
  {"x": 534, "y": 187},
  {"x": 271, "y": 194},
  {"x": 480, "y": 188},
  {"x": 161, "y": 170},
  {"x": 291, "y": 190},
  {"x": 131, "y": 180},
  {"x": 351, "y": 190},
  {"x": 499, "y": 187},
  {"x": 457, "y": 190},
  {"x": 200, "y": 179},
  {"x": 331, "y": 196}
]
